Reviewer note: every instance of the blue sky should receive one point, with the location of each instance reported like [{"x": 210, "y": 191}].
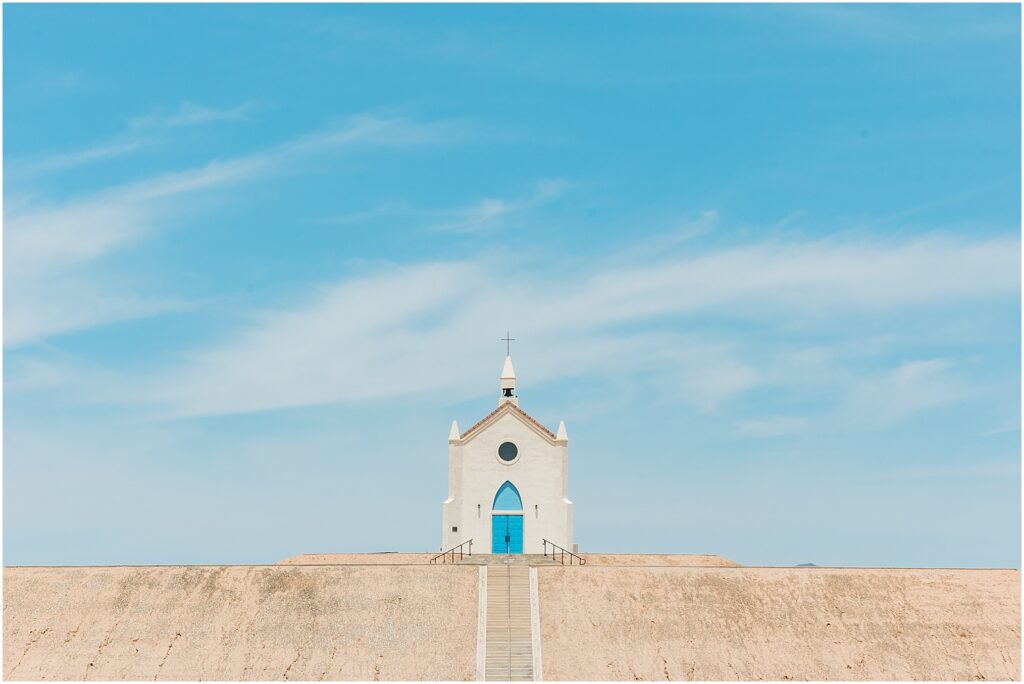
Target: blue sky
[{"x": 763, "y": 260}]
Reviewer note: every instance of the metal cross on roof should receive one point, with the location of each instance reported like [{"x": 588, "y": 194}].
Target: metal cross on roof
[{"x": 508, "y": 343}]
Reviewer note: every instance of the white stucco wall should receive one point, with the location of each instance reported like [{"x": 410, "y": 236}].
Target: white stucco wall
[{"x": 540, "y": 473}]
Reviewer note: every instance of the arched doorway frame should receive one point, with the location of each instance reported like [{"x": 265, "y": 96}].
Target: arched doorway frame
[{"x": 507, "y": 520}]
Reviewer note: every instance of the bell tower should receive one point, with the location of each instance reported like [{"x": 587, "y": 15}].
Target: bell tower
[{"x": 508, "y": 383}]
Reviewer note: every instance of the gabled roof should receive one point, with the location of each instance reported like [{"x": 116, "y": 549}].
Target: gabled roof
[{"x": 508, "y": 407}]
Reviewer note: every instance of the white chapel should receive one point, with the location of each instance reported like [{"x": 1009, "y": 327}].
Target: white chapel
[{"x": 508, "y": 481}]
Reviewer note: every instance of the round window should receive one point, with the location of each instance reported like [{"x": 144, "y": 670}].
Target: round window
[{"x": 507, "y": 452}]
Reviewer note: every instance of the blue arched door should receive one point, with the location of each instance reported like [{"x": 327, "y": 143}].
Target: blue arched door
[{"x": 507, "y": 520}]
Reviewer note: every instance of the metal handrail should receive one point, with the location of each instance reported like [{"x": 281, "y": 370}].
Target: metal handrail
[
  {"x": 562, "y": 553},
  {"x": 452, "y": 551}
]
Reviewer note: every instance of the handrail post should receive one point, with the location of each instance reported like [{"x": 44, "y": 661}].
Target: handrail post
[
  {"x": 559, "y": 554},
  {"x": 443, "y": 556}
]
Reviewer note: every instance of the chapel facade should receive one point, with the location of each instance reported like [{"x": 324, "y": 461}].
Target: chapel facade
[{"x": 508, "y": 480}]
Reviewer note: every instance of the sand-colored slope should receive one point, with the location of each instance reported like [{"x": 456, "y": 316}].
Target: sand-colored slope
[
  {"x": 616, "y": 618},
  {"x": 672, "y": 559},
  {"x": 359, "y": 559},
  {"x": 260, "y": 622},
  {"x": 624, "y": 623}
]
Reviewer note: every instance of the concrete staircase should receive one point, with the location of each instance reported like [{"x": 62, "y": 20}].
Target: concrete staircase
[{"x": 509, "y": 650}]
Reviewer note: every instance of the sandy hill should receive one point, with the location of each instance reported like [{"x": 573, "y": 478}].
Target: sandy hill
[{"x": 393, "y": 616}]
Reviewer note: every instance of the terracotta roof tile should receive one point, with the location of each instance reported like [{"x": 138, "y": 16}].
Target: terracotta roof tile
[
  {"x": 481, "y": 422},
  {"x": 515, "y": 408}
]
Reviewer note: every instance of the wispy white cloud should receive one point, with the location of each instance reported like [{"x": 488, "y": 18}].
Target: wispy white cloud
[
  {"x": 911, "y": 387},
  {"x": 61, "y": 161},
  {"x": 872, "y": 400},
  {"x": 418, "y": 329},
  {"x": 776, "y": 426},
  {"x": 479, "y": 217},
  {"x": 1008, "y": 468},
  {"x": 683, "y": 230},
  {"x": 190, "y": 114},
  {"x": 142, "y": 132},
  {"x": 1011, "y": 426},
  {"x": 51, "y": 283},
  {"x": 51, "y": 249},
  {"x": 486, "y": 214},
  {"x": 895, "y": 23}
]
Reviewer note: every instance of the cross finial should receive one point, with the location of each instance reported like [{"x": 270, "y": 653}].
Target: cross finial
[{"x": 508, "y": 343}]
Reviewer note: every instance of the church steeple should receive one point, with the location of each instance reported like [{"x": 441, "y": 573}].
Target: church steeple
[{"x": 508, "y": 383}]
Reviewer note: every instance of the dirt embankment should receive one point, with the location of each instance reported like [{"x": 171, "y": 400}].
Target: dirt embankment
[
  {"x": 650, "y": 623},
  {"x": 224, "y": 622},
  {"x": 671, "y": 559},
  {"x": 619, "y": 617},
  {"x": 359, "y": 559}
]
